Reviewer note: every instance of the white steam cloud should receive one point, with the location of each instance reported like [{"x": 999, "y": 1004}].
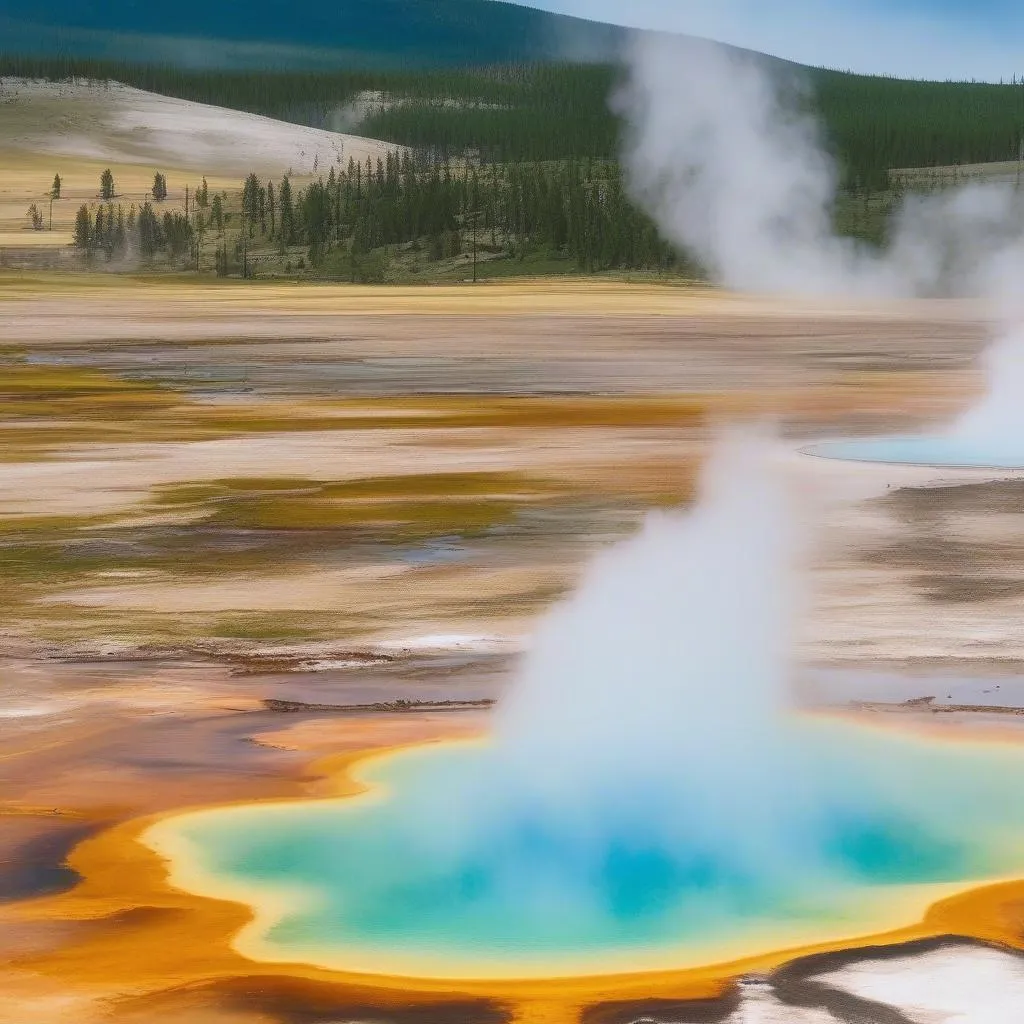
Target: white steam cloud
[
  {"x": 722, "y": 153},
  {"x": 663, "y": 683},
  {"x": 641, "y": 642}
]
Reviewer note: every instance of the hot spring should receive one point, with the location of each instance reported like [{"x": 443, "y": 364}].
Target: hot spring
[
  {"x": 647, "y": 799},
  {"x": 989, "y": 436}
]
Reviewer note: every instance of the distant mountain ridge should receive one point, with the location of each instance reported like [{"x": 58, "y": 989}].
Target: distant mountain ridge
[{"x": 235, "y": 33}]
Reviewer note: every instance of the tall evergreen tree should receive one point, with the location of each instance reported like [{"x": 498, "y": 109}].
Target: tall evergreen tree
[
  {"x": 251, "y": 202},
  {"x": 217, "y": 213},
  {"x": 83, "y": 228},
  {"x": 287, "y": 212}
]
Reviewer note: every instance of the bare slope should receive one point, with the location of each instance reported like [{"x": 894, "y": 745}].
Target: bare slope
[{"x": 124, "y": 125}]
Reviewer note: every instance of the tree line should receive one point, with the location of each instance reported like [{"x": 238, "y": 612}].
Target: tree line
[
  {"x": 576, "y": 211},
  {"x": 136, "y": 233},
  {"x": 364, "y": 220}
]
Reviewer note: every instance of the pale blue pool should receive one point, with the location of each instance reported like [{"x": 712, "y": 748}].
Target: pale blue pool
[{"x": 929, "y": 450}]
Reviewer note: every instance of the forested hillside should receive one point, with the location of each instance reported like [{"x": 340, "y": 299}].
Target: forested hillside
[{"x": 550, "y": 111}]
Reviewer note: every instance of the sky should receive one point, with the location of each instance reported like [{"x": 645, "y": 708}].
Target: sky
[{"x": 941, "y": 39}]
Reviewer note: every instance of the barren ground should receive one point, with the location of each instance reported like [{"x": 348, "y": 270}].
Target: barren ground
[{"x": 111, "y": 122}]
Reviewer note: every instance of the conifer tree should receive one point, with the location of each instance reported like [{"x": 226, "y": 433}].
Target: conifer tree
[
  {"x": 217, "y": 213},
  {"x": 83, "y": 228},
  {"x": 251, "y": 202},
  {"x": 287, "y": 212}
]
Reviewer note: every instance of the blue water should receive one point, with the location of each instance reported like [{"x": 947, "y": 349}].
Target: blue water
[
  {"x": 935, "y": 450},
  {"x": 446, "y": 861}
]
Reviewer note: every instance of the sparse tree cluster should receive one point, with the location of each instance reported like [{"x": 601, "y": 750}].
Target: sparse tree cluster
[{"x": 115, "y": 233}]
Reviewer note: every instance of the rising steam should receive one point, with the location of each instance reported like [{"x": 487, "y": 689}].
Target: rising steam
[
  {"x": 721, "y": 151},
  {"x": 637, "y": 656},
  {"x": 649, "y": 741}
]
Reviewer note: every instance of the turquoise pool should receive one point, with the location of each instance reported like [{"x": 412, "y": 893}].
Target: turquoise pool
[{"x": 447, "y": 868}]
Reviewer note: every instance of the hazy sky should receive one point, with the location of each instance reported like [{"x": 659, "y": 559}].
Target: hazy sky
[{"x": 982, "y": 39}]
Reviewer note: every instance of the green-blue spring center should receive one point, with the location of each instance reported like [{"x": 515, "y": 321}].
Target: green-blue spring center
[{"x": 445, "y": 861}]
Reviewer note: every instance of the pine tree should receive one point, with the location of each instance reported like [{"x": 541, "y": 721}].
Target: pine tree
[
  {"x": 217, "y": 213},
  {"x": 159, "y": 190},
  {"x": 287, "y": 211},
  {"x": 149, "y": 232},
  {"x": 83, "y": 228},
  {"x": 107, "y": 185},
  {"x": 251, "y": 202},
  {"x": 120, "y": 232},
  {"x": 55, "y": 188}
]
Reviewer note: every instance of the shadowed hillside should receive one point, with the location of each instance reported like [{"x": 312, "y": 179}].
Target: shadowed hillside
[{"x": 321, "y": 32}]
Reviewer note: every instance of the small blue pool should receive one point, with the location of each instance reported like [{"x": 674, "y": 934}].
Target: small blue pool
[{"x": 950, "y": 450}]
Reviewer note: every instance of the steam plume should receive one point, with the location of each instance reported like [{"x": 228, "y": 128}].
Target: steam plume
[{"x": 722, "y": 152}]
